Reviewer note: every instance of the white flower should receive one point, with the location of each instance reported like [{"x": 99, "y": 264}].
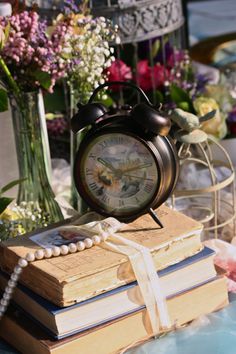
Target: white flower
[{"x": 118, "y": 40}]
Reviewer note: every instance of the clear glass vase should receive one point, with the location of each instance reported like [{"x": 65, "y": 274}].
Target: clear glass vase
[
  {"x": 35, "y": 195},
  {"x": 76, "y": 200}
]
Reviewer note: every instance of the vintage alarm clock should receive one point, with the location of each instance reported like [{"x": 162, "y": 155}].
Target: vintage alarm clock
[{"x": 127, "y": 164}]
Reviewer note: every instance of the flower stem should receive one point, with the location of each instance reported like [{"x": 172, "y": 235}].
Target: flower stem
[{"x": 13, "y": 87}]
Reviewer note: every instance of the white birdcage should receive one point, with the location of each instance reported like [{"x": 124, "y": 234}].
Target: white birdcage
[
  {"x": 206, "y": 189},
  {"x": 140, "y": 20},
  {"x": 143, "y": 26}
]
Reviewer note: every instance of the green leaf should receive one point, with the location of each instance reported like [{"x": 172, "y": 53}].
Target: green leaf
[
  {"x": 159, "y": 96},
  {"x": 55, "y": 102},
  {"x": 155, "y": 48},
  {"x": 11, "y": 185},
  {"x": 4, "y": 202},
  {"x": 184, "y": 105},
  {"x": 108, "y": 101},
  {"x": 3, "y": 100},
  {"x": 178, "y": 96},
  {"x": 5, "y": 35},
  {"x": 43, "y": 78},
  {"x": 7, "y": 31}
]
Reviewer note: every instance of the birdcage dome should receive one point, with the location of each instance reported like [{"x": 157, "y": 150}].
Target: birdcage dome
[{"x": 139, "y": 20}]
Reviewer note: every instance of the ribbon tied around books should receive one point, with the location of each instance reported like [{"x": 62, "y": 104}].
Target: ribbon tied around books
[{"x": 142, "y": 264}]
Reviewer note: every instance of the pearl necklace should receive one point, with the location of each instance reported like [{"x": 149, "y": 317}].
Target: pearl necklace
[{"x": 40, "y": 254}]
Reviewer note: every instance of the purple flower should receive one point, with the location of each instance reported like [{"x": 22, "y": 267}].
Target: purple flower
[
  {"x": 201, "y": 82},
  {"x": 57, "y": 126},
  {"x": 70, "y": 7},
  {"x": 232, "y": 115},
  {"x": 30, "y": 53}
]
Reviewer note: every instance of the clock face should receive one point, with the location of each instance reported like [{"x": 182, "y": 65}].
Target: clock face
[{"x": 117, "y": 174}]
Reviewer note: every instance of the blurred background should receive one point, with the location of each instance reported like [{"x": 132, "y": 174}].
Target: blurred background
[{"x": 209, "y": 24}]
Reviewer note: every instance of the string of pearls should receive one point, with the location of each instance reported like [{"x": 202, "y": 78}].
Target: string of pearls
[{"x": 40, "y": 254}]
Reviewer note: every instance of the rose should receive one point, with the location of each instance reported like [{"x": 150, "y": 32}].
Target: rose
[
  {"x": 144, "y": 76},
  {"x": 160, "y": 74},
  {"x": 149, "y": 78},
  {"x": 215, "y": 126},
  {"x": 119, "y": 71}
]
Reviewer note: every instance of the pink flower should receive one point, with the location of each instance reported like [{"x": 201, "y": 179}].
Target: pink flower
[
  {"x": 144, "y": 76},
  {"x": 119, "y": 71},
  {"x": 149, "y": 78},
  {"x": 160, "y": 75},
  {"x": 175, "y": 57}
]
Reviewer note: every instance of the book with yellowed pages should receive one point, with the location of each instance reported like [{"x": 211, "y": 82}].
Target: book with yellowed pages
[
  {"x": 27, "y": 337},
  {"x": 73, "y": 278},
  {"x": 61, "y": 322}
]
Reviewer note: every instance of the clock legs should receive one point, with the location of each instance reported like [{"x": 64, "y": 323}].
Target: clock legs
[{"x": 155, "y": 217}]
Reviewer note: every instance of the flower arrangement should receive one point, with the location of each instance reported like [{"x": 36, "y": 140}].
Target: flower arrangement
[
  {"x": 178, "y": 83},
  {"x": 152, "y": 74},
  {"x": 29, "y": 57},
  {"x": 85, "y": 41},
  {"x": 85, "y": 45},
  {"x": 34, "y": 56}
]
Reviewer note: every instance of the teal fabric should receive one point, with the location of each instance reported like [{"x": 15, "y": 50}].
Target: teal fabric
[{"x": 216, "y": 335}]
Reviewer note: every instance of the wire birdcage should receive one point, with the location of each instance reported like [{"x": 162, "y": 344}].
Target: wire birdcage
[
  {"x": 206, "y": 190},
  {"x": 140, "y": 20},
  {"x": 150, "y": 31}
]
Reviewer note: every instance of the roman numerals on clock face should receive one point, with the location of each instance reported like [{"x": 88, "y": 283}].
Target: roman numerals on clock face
[{"x": 119, "y": 173}]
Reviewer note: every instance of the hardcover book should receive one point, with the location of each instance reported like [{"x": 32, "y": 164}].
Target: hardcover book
[
  {"x": 73, "y": 278},
  {"x": 61, "y": 322},
  {"x": 22, "y": 333}
]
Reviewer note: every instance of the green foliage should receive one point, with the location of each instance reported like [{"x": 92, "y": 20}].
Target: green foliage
[
  {"x": 11, "y": 185},
  {"x": 181, "y": 98},
  {"x": 5, "y": 201},
  {"x": 43, "y": 78},
  {"x": 185, "y": 106},
  {"x": 159, "y": 97},
  {"x": 155, "y": 48},
  {"x": 55, "y": 102},
  {"x": 108, "y": 101},
  {"x": 3, "y": 100}
]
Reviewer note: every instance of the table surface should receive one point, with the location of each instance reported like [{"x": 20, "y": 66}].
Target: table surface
[{"x": 212, "y": 334}]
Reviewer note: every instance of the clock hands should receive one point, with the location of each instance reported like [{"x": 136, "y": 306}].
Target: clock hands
[
  {"x": 120, "y": 172},
  {"x": 147, "y": 164},
  {"x": 107, "y": 164},
  {"x": 138, "y": 177}
]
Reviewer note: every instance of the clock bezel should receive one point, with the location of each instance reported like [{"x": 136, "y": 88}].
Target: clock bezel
[{"x": 79, "y": 183}]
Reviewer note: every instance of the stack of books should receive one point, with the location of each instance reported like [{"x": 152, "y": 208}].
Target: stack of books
[{"x": 89, "y": 302}]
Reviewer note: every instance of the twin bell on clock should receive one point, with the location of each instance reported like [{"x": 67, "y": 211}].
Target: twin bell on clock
[{"x": 127, "y": 164}]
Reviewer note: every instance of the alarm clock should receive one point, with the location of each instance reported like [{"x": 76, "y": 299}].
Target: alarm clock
[{"x": 126, "y": 165}]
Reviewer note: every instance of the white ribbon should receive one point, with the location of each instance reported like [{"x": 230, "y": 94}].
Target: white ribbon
[
  {"x": 147, "y": 278},
  {"x": 142, "y": 264}
]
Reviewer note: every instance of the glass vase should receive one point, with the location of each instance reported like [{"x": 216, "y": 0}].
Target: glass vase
[
  {"x": 35, "y": 199},
  {"x": 76, "y": 200}
]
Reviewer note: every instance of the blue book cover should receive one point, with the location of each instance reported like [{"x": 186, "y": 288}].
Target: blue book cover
[{"x": 55, "y": 310}]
